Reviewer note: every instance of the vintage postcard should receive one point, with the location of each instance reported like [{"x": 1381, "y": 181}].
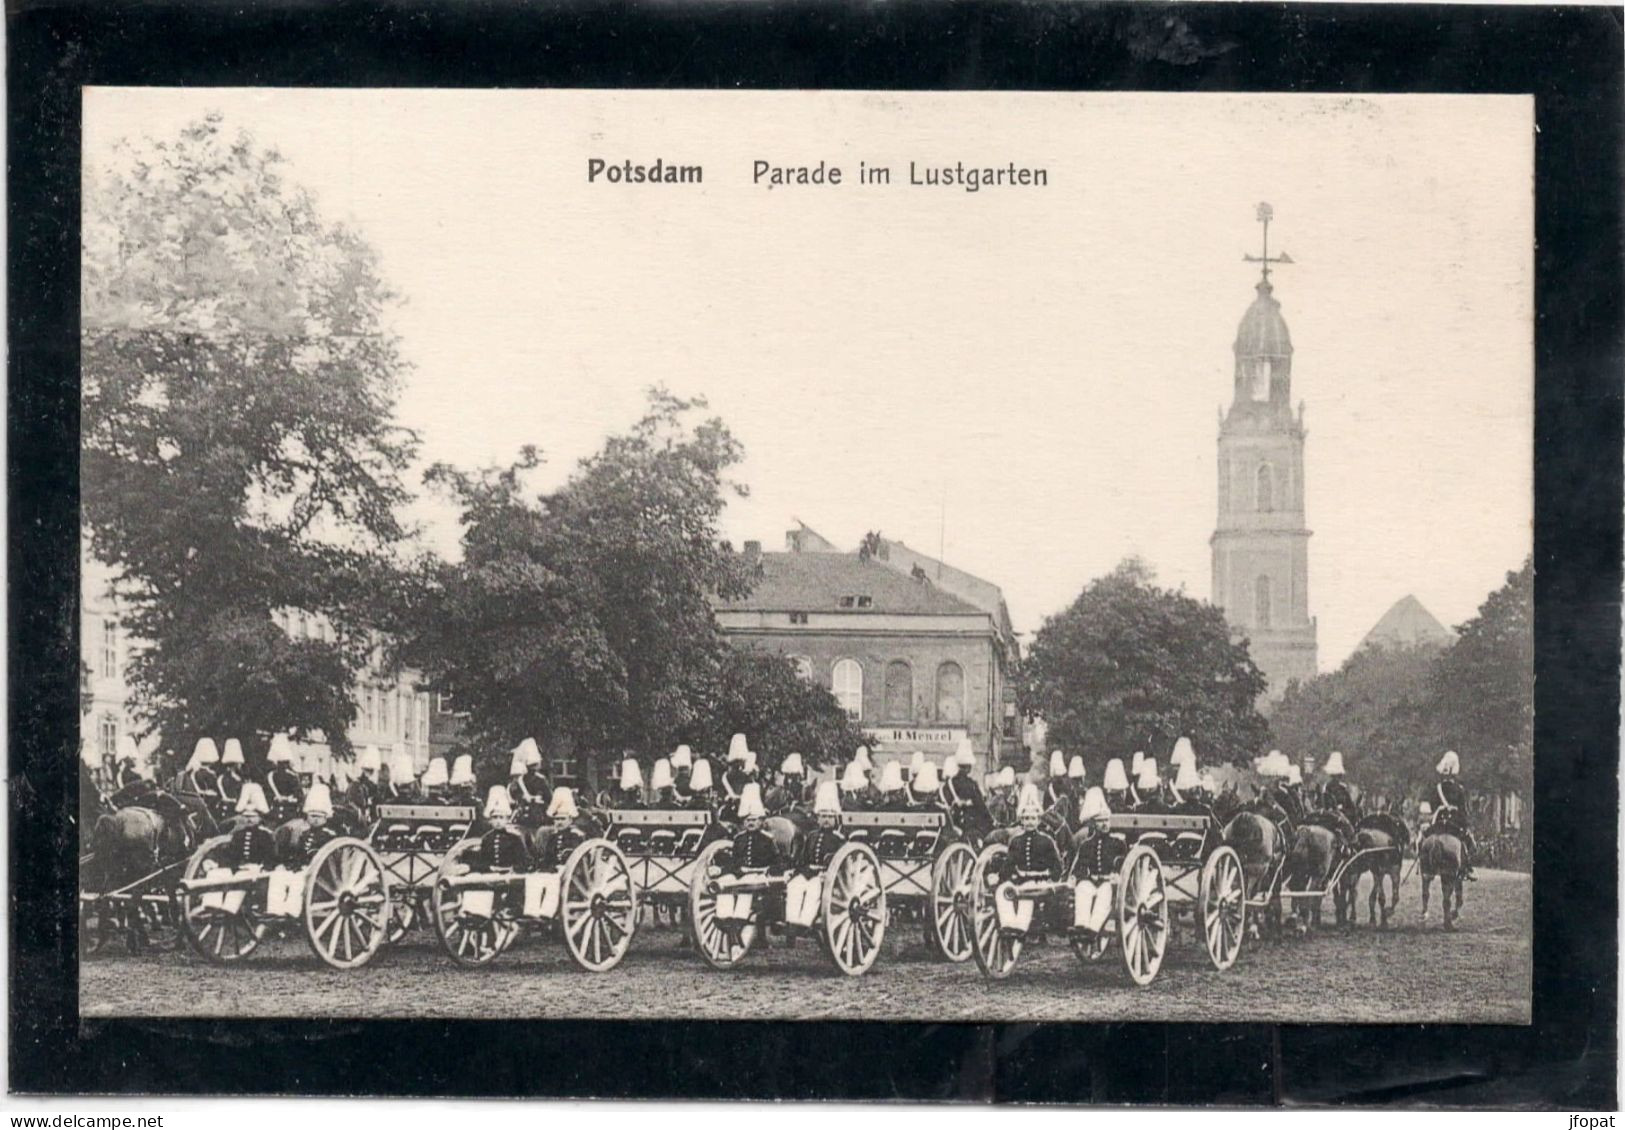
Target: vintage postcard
[{"x": 807, "y": 555}]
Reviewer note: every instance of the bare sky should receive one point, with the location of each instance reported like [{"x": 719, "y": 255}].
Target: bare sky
[{"x": 1033, "y": 373}]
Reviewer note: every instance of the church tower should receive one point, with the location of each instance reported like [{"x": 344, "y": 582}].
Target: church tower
[{"x": 1261, "y": 545}]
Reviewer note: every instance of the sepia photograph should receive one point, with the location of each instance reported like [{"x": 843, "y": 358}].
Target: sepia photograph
[{"x": 806, "y": 555}]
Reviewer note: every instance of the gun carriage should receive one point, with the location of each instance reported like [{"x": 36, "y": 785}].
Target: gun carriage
[{"x": 925, "y": 871}]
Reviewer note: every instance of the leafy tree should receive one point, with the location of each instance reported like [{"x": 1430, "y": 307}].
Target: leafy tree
[
  {"x": 238, "y": 450},
  {"x": 584, "y": 614},
  {"x": 760, "y": 695},
  {"x": 1132, "y": 666}
]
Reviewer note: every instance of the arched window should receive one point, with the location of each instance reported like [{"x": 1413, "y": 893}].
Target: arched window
[
  {"x": 951, "y": 693},
  {"x": 1266, "y": 488},
  {"x": 803, "y": 667},
  {"x": 899, "y": 692},
  {"x": 1261, "y": 603},
  {"x": 847, "y": 686}
]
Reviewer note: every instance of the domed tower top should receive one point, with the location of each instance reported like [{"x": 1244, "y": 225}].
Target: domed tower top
[{"x": 1263, "y": 344}]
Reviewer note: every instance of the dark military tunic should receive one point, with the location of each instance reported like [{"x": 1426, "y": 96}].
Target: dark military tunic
[
  {"x": 815, "y": 850},
  {"x": 311, "y": 842},
  {"x": 1057, "y": 791},
  {"x": 199, "y": 782},
  {"x": 125, "y": 776},
  {"x": 1287, "y": 802},
  {"x": 756, "y": 851},
  {"x": 1033, "y": 855},
  {"x": 251, "y": 845},
  {"x": 462, "y": 795},
  {"x": 282, "y": 788},
  {"x": 628, "y": 798},
  {"x": 230, "y": 786},
  {"x": 917, "y": 799},
  {"x": 504, "y": 849},
  {"x": 556, "y": 848},
  {"x": 1099, "y": 857}
]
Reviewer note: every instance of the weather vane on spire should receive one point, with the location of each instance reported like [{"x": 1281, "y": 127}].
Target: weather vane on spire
[{"x": 1265, "y": 215}]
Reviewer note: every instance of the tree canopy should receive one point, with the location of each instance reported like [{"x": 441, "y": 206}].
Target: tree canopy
[
  {"x": 239, "y": 454},
  {"x": 759, "y": 694},
  {"x": 1133, "y": 666}
]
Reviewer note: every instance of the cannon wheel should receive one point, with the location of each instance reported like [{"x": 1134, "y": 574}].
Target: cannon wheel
[
  {"x": 403, "y": 914},
  {"x": 598, "y": 905},
  {"x": 1222, "y": 904},
  {"x": 214, "y": 935},
  {"x": 1142, "y": 914},
  {"x": 995, "y": 954},
  {"x": 951, "y": 933},
  {"x": 854, "y": 908},
  {"x": 718, "y": 950},
  {"x": 346, "y": 903},
  {"x": 468, "y": 944}
]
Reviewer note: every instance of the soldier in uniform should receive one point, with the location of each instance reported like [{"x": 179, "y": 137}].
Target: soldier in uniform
[
  {"x": 402, "y": 786},
  {"x": 1190, "y": 797},
  {"x": 461, "y": 789},
  {"x": 1076, "y": 774},
  {"x": 682, "y": 771},
  {"x": 662, "y": 785},
  {"x": 1001, "y": 804},
  {"x": 1148, "y": 788},
  {"x": 1450, "y": 814},
  {"x": 924, "y": 787},
  {"x": 1033, "y": 857},
  {"x": 1135, "y": 764},
  {"x": 432, "y": 785},
  {"x": 1057, "y": 793},
  {"x": 1095, "y": 868},
  {"x": 791, "y": 790},
  {"x": 700, "y": 792},
  {"x": 892, "y": 797},
  {"x": 252, "y": 844},
  {"x": 630, "y": 792},
  {"x": 364, "y": 790},
  {"x": 503, "y": 848},
  {"x": 537, "y": 787},
  {"x": 1115, "y": 784},
  {"x": 735, "y": 777},
  {"x": 813, "y": 853},
  {"x": 565, "y": 832},
  {"x": 1292, "y": 786},
  {"x": 319, "y": 831},
  {"x": 198, "y": 784},
  {"x": 754, "y": 853},
  {"x": 854, "y": 783},
  {"x": 282, "y": 787},
  {"x": 229, "y": 784},
  {"x": 1336, "y": 796}
]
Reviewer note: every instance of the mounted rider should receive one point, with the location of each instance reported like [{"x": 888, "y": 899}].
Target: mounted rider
[
  {"x": 854, "y": 783},
  {"x": 1148, "y": 788},
  {"x": 282, "y": 788},
  {"x": 925, "y": 787},
  {"x": 892, "y": 796},
  {"x": 1058, "y": 790},
  {"x": 432, "y": 785},
  {"x": 663, "y": 793},
  {"x": 1451, "y": 813},
  {"x": 1001, "y": 802},
  {"x": 1190, "y": 793},
  {"x": 1032, "y": 857},
  {"x": 629, "y": 794},
  {"x": 700, "y": 791},
  {"x": 791, "y": 791},
  {"x": 402, "y": 786},
  {"x": 813, "y": 853},
  {"x": 1115, "y": 786},
  {"x": 229, "y": 783},
  {"x": 461, "y": 788},
  {"x": 1096, "y": 866},
  {"x": 364, "y": 790},
  {"x": 198, "y": 784},
  {"x": 1337, "y": 796},
  {"x": 1136, "y": 763}
]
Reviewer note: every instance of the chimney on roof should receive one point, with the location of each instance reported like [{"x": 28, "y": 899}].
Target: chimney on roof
[{"x": 792, "y": 541}]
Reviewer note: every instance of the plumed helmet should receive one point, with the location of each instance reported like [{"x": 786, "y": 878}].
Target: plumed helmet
[
  {"x": 1057, "y": 763},
  {"x": 965, "y": 753},
  {"x": 462, "y": 770},
  {"x": 1449, "y": 764},
  {"x": 233, "y": 754},
  {"x": 737, "y": 747},
  {"x": 749, "y": 764},
  {"x": 1294, "y": 775},
  {"x": 792, "y": 766},
  {"x": 700, "y": 779},
  {"x": 1424, "y": 809},
  {"x": 891, "y": 778},
  {"x": 435, "y": 775},
  {"x": 401, "y": 769},
  {"x": 631, "y": 774},
  {"x": 318, "y": 801},
  {"x": 370, "y": 760},
  {"x": 1094, "y": 804},
  {"x": 1183, "y": 752},
  {"x": 828, "y": 800},
  {"x": 1186, "y": 778},
  {"x": 203, "y": 753},
  {"x": 252, "y": 799},
  {"x": 750, "y": 801},
  {"x": 516, "y": 763},
  {"x": 1030, "y": 804},
  {"x": 951, "y": 768},
  {"x": 563, "y": 805},
  {"x": 862, "y": 758},
  {"x": 854, "y": 778},
  {"x": 529, "y": 752},
  {"x": 1075, "y": 769},
  {"x": 927, "y": 779},
  {"x": 660, "y": 776},
  {"x": 916, "y": 762},
  {"x": 1116, "y": 779},
  {"x": 1007, "y": 777},
  {"x": 498, "y": 802},
  {"x": 281, "y": 752},
  {"x": 682, "y": 758},
  {"x": 1147, "y": 778},
  {"x": 1334, "y": 765},
  {"x": 1135, "y": 762}
]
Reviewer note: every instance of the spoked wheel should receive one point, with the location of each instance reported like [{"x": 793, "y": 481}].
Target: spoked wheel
[
  {"x": 854, "y": 909},
  {"x": 721, "y": 945},
  {"x": 470, "y": 939},
  {"x": 215, "y": 933},
  {"x": 346, "y": 903},
  {"x": 403, "y": 914},
  {"x": 995, "y": 954},
  {"x": 598, "y": 905},
  {"x": 1142, "y": 914},
  {"x": 1222, "y": 905},
  {"x": 951, "y": 929}
]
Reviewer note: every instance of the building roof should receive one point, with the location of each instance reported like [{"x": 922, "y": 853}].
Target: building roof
[
  {"x": 817, "y": 582},
  {"x": 1263, "y": 331},
  {"x": 1407, "y": 624}
]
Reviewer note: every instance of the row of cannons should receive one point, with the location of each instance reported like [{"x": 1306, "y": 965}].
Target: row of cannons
[{"x": 411, "y": 867}]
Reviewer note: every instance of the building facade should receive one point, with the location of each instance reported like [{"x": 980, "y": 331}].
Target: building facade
[
  {"x": 917, "y": 666},
  {"x": 1260, "y": 544}
]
